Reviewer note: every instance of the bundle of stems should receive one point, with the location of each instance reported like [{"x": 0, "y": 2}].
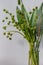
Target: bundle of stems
[{"x": 29, "y": 25}]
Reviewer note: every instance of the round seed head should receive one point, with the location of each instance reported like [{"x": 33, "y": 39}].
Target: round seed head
[
  {"x": 13, "y": 16},
  {"x": 10, "y": 34},
  {"x": 36, "y": 7},
  {"x": 4, "y": 9},
  {"x": 3, "y": 20},
  {"x": 7, "y": 36},
  {"x": 9, "y": 22},
  {"x": 4, "y": 33},
  {"x": 33, "y": 9},
  {"x": 6, "y": 17},
  {"x": 10, "y": 38},
  {"x": 30, "y": 12},
  {"x": 10, "y": 14}
]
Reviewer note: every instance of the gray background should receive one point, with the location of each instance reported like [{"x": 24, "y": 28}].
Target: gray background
[{"x": 15, "y": 52}]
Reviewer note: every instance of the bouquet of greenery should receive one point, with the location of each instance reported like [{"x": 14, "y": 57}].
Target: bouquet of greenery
[{"x": 29, "y": 25}]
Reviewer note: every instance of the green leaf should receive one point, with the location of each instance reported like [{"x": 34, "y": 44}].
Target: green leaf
[
  {"x": 40, "y": 21},
  {"x": 19, "y": 2},
  {"x": 4, "y": 27},
  {"x": 24, "y": 12},
  {"x": 33, "y": 19},
  {"x": 20, "y": 16}
]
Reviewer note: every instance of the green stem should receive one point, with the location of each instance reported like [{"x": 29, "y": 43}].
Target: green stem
[
  {"x": 33, "y": 56},
  {"x": 16, "y": 32}
]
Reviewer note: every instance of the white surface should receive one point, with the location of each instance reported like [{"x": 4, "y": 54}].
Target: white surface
[{"x": 15, "y": 52}]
